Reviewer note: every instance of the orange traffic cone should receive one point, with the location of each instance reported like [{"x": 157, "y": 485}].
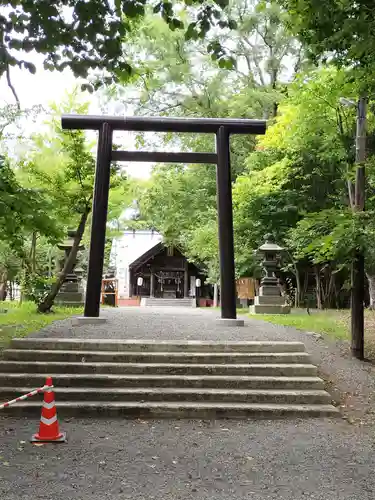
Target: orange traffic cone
[{"x": 49, "y": 427}]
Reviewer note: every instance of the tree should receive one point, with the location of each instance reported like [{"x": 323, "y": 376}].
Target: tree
[
  {"x": 23, "y": 210},
  {"x": 265, "y": 52},
  {"x": 85, "y": 34},
  {"x": 181, "y": 204},
  {"x": 326, "y": 241},
  {"x": 179, "y": 77},
  {"x": 338, "y": 30},
  {"x": 10, "y": 268},
  {"x": 62, "y": 166},
  {"x": 342, "y": 32},
  {"x": 202, "y": 245},
  {"x": 298, "y": 176}
]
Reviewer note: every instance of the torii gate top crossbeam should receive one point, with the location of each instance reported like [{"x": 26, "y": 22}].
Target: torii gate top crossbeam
[{"x": 163, "y": 124}]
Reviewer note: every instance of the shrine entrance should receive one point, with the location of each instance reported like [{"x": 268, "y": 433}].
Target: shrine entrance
[
  {"x": 222, "y": 128},
  {"x": 163, "y": 273},
  {"x": 169, "y": 285}
]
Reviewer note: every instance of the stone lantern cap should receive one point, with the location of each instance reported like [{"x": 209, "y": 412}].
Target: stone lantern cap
[
  {"x": 68, "y": 242},
  {"x": 270, "y": 245}
]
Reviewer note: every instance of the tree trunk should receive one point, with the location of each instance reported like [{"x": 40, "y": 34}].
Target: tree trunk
[
  {"x": 337, "y": 296},
  {"x": 298, "y": 296},
  {"x": 371, "y": 289},
  {"x": 47, "y": 303},
  {"x": 330, "y": 299},
  {"x": 298, "y": 287},
  {"x": 305, "y": 286},
  {"x": 273, "y": 74},
  {"x": 50, "y": 262},
  {"x": 33, "y": 253},
  {"x": 327, "y": 287},
  {"x": 318, "y": 291},
  {"x": 3, "y": 286}
]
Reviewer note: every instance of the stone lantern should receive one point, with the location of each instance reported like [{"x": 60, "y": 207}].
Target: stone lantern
[
  {"x": 269, "y": 300},
  {"x": 71, "y": 292}
]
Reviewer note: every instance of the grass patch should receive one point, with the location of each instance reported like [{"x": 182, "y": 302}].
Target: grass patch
[
  {"x": 333, "y": 323},
  {"x": 21, "y": 319},
  {"x": 243, "y": 310},
  {"x": 240, "y": 310}
]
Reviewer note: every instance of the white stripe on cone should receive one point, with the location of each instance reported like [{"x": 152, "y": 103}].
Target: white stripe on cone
[
  {"x": 48, "y": 405},
  {"x": 48, "y": 421}
]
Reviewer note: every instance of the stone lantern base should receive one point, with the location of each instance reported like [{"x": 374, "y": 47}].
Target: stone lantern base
[
  {"x": 71, "y": 294},
  {"x": 269, "y": 301}
]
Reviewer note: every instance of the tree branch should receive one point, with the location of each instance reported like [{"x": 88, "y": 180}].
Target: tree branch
[
  {"x": 255, "y": 61},
  {"x": 10, "y": 85}
]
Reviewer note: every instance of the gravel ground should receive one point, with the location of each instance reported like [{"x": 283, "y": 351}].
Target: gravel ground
[{"x": 169, "y": 460}]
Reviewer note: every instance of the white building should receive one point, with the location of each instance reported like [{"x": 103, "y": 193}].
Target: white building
[{"x": 126, "y": 249}]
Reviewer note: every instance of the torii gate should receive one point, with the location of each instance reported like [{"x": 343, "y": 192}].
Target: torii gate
[{"x": 222, "y": 128}]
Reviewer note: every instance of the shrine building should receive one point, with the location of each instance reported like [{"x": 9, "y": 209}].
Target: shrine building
[{"x": 148, "y": 272}]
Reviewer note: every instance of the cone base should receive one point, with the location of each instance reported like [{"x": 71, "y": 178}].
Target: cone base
[{"x": 61, "y": 438}]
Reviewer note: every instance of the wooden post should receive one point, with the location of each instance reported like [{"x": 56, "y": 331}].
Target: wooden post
[
  {"x": 216, "y": 295},
  {"x": 186, "y": 280},
  {"x": 99, "y": 222},
  {"x": 358, "y": 265},
  {"x": 152, "y": 283},
  {"x": 225, "y": 218}
]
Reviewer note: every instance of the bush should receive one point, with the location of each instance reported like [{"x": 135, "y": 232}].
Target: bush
[{"x": 35, "y": 287}]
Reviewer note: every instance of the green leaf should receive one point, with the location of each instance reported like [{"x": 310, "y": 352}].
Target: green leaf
[{"x": 30, "y": 67}]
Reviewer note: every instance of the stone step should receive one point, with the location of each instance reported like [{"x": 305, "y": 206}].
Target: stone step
[
  {"x": 269, "y": 309},
  {"x": 95, "y": 376},
  {"x": 283, "y": 369},
  {"x": 157, "y": 358},
  {"x": 7, "y": 379},
  {"x": 179, "y": 394},
  {"x": 154, "y": 302},
  {"x": 65, "y": 297},
  {"x": 167, "y": 301},
  {"x": 166, "y": 304},
  {"x": 70, "y": 303},
  {"x": 172, "y": 379},
  {"x": 155, "y": 346},
  {"x": 201, "y": 410}
]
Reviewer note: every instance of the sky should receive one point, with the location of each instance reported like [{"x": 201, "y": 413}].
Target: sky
[{"x": 46, "y": 87}]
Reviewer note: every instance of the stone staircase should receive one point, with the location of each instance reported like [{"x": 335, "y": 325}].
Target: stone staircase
[
  {"x": 191, "y": 379},
  {"x": 154, "y": 302}
]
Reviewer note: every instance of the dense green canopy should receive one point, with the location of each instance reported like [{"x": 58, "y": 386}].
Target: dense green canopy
[{"x": 244, "y": 58}]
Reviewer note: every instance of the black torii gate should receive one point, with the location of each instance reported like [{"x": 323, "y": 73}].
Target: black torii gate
[{"x": 222, "y": 127}]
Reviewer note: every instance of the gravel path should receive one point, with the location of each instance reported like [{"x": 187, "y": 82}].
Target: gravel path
[{"x": 170, "y": 460}]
